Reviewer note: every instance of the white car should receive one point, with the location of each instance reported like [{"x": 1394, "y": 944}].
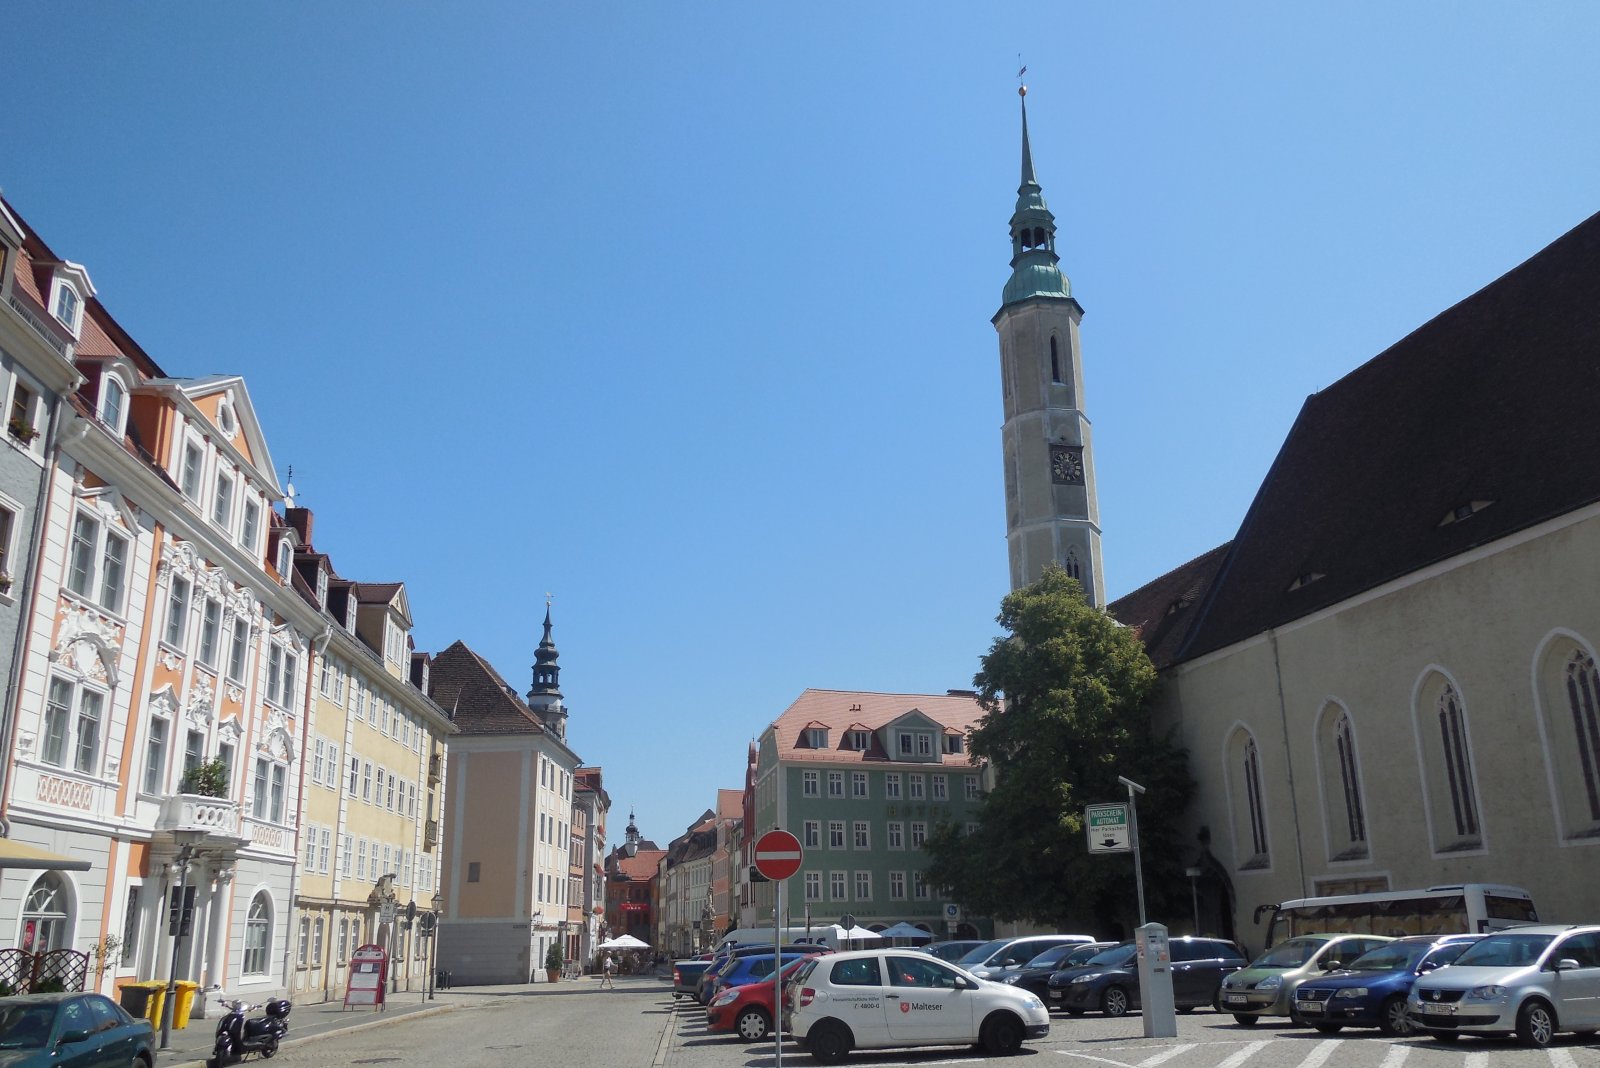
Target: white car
[
  {"x": 881, "y": 998},
  {"x": 993, "y": 960}
]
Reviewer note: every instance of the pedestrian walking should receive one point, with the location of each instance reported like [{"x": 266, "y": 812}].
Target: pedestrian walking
[{"x": 607, "y": 967}]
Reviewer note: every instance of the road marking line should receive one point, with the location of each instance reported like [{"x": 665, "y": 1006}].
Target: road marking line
[
  {"x": 1477, "y": 1060},
  {"x": 1396, "y": 1057},
  {"x": 1245, "y": 1054},
  {"x": 1321, "y": 1053},
  {"x": 1562, "y": 1059},
  {"x": 1167, "y": 1055},
  {"x": 1092, "y": 1057}
]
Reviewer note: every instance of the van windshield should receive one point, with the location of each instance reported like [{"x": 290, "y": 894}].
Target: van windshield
[{"x": 985, "y": 951}]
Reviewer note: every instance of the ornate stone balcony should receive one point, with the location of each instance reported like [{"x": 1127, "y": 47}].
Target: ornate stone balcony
[{"x": 192, "y": 812}]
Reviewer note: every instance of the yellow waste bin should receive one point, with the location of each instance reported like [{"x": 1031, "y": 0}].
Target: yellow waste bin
[{"x": 185, "y": 1002}]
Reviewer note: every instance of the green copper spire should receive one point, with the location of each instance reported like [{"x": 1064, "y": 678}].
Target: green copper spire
[{"x": 1034, "y": 270}]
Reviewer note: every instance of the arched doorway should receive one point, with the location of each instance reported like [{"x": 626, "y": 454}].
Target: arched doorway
[{"x": 46, "y": 915}]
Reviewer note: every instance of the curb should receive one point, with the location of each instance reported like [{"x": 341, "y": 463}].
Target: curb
[{"x": 433, "y": 1010}]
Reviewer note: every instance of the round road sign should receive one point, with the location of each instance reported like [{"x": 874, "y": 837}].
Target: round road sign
[{"x": 778, "y": 854}]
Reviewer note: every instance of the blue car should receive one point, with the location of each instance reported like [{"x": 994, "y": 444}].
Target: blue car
[
  {"x": 1372, "y": 991},
  {"x": 751, "y": 969}
]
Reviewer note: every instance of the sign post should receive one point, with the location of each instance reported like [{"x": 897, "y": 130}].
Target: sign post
[{"x": 778, "y": 856}]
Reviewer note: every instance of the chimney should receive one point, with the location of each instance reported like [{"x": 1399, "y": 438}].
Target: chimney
[{"x": 300, "y": 520}]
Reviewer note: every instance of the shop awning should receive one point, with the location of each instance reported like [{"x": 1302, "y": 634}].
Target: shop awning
[{"x": 14, "y": 854}]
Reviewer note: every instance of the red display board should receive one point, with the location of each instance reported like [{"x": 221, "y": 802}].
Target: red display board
[
  {"x": 778, "y": 854},
  {"x": 368, "y": 977}
]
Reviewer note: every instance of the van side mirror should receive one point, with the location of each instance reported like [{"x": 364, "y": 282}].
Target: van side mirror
[{"x": 1566, "y": 964}]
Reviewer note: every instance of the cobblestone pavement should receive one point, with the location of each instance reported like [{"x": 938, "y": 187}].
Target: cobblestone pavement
[{"x": 639, "y": 1025}]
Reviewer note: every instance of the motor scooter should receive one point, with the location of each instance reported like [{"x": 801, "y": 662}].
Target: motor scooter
[{"x": 238, "y": 1037}]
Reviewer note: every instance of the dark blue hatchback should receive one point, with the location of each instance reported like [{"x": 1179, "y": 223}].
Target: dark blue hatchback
[{"x": 1372, "y": 991}]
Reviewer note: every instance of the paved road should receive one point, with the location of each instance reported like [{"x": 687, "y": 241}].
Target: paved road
[{"x": 577, "y": 1025}]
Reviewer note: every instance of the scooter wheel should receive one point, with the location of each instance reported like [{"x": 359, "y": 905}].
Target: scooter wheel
[{"x": 270, "y": 1049}]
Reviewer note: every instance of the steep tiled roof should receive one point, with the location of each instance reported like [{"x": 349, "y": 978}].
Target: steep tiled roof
[
  {"x": 1489, "y": 407},
  {"x": 640, "y": 866},
  {"x": 1162, "y": 611},
  {"x": 840, "y": 709},
  {"x": 477, "y": 698}
]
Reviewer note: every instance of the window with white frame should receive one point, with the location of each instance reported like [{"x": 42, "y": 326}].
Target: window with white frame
[
  {"x": 816, "y": 738},
  {"x": 366, "y": 781},
  {"x": 194, "y": 750},
  {"x": 891, "y": 786},
  {"x": 919, "y": 886},
  {"x": 863, "y": 834},
  {"x": 225, "y": 758},
  {"x": 954, "y": 743},
  {"x": 250, "y": 526},
  {"x": 897, "y": 831},
  {"x": 863, "y": 886},
  {"x": 222, "y": 501},
  {"x": 97, "y": 567},
  {"x": 319, "y": 754},
  {"x": 858, "y": 784},
  {"x": 355, "y": 774},
  {"x": 361, "y": 859},
  {"x": 177, "y": 611},
  {"x": 284, "y": 559},
  {"x": 897, "y": 886},
  {"x": 346, "y": 854},
  {"x": 310, "y": 860},
  {"x": 238, "y": 649},
  {"x": 924, "y": 744},
  {"x": 267, "y": 802},
  {"x": 210, "y": 631},
  {"x": 194, "y": 459},
  {"x": 972, "y": 787},
  {"x": 836, "y": 834},
  {"x": 324, "y": 847},
  {"x": 73, "y": 716},
  {"x": 155, "y": 754},
  {"x": 8, "y": 532},
  {"x": 281, "y": 665},
  {"x": 835, "y": 784},
  {"x": 809, "y": 786},
  {"x": 316, "y": 940},
  {"x": 919, "y": 833},
  {"x": 836, "y": 886},
  {"x": 258, "y": 935},
  {"x": 67, "y": 307},
  {"x": 859, "y": 740},
  {"x": 23, "y": 420},
  {"x": 918, "y": 785},
  {"x": 903, "y": 742},
  {"x": 813, "y": 886},
  {"x": 941, "y": 788},
  {"x": 113, "y": 402}
]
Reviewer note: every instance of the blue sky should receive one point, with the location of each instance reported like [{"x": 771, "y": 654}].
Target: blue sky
[{"x": 681, "y": 312}]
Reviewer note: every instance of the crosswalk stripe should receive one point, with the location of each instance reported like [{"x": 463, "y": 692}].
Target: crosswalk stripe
[
  {"x": 1322, "y": 1052},
  {"x": 1166, "y": 1055},
  {"x": 1243, "y": 1055},
  {"x": 1477, "y": 1060},
  {"x": 1560, "y": 1058},
  {"x": 1396, "y": 1057}
]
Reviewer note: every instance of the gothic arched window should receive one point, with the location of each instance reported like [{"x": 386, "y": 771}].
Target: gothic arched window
[
  {"x": 1457, "y": 764},
  {"x": 1071, "y": 565},
  {"x": 1583, "y": 689},
  {"x": 1339, "y": 767},
  {"x": 1248, "y": 803}
]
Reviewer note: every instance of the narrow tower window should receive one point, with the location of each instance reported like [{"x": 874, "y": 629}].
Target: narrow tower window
[
  {"x": 1055, "y": 362},
  {"x": 1583, "y": 686}
]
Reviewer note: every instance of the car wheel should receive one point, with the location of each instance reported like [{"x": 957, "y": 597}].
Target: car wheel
[
  {"x": 1329, "y": 1029},
  {"x": 1002, "y": 1034},
  {"x": 752, "y": 1025},
  {"x": 1114, "y": 1002},
  {"x": 828, "y": 1042},
  {"x": 1536, "y": 1024},
  {"x": 1186, "y": 1009},
  {"x": 1392, "y": 1018},
  {"x": 1244, "y": 1020},
  {"x": 1446, "y": 1037}
]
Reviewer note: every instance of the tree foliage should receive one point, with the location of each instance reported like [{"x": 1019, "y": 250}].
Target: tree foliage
[{"x": 1067, "y": 694}]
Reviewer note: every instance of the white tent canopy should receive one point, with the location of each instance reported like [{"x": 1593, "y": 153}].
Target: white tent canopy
[
  {"x": 904, "y": 930},
  {"x": 855, "y": 934},
  {"x": 624, "y": 942}
]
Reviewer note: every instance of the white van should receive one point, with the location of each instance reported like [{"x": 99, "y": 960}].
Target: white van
[{"x": 823, "y": 935}]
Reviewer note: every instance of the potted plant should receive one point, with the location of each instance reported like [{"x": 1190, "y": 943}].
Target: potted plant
[
  {"x": 22, "y": 430},
  {"x": 553, "y": 962},
  {"x": 6, "y": 581},
  {"x": 208, "y": 780}
]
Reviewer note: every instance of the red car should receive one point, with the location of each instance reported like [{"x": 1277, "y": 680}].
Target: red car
[{"x": 747, "y": 1010}]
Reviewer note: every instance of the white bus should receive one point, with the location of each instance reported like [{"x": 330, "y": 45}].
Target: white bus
[{"x": 1463, "y": 907}]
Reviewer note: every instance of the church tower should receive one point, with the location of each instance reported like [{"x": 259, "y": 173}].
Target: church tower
[
  {"x": 1051, "y": 512},
  {"x": 544, "y": 698}
]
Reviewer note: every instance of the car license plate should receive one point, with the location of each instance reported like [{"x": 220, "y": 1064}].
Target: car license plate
[
  {"x": 1056, "y": 993},
  {"x": 1431, "y": 1009},
  {"x": 1308, "y": 1006},
  {"x": 1236, "y": 999}
]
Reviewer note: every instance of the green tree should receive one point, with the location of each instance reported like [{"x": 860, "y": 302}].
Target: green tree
[{"x": 1066, "y": 693}]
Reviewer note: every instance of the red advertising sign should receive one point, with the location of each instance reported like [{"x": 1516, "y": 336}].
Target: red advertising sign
[
  {"x": 368, "y": 978},
  {"x": 778, "y": 854}
]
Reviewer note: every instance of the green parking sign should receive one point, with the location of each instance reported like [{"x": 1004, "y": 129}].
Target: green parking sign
[{"x": 1107, "y": 827}]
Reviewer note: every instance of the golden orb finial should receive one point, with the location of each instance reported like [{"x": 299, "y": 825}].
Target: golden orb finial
[{"x": 1022, "y": 90}]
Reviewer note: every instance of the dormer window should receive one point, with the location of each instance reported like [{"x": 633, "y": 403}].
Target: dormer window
[
  {"x": 1302, "y": 581},
  {"x": 924, "y": 744},
  {"x": 859, "y": 740},
  {"x": 322, "y": 587},
  {"x": 903, "y": 744},
  {"x": 1463, "y": 511},
  {"x": 113, "y": 402},
  {"x": 194, "y": 458},
  {"x": 67, "y": 307},
  {"x": 954, "y": 743},
  {"x": 816, "y": 738},
  {"x": 69, "y": 288},
  {"x": 284, "y": 551}
]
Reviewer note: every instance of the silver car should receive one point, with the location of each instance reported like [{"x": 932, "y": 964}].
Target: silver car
[{"x": 1530, "y": 981}]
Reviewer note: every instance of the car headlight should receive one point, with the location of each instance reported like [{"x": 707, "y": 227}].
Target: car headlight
[
  {"x": 1271, "y": 982},
  {"x": 726, "y": 997},
  {"x": 1035, "y": 1003},
  {"x": 1487, "y": 993},
  {"x": 1352, "y": 992},
  {"x": 1091, "y": 977},
  {"x": 1011, "y": 979}
]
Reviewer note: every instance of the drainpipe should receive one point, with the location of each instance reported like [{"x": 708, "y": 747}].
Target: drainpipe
[
  {"x": 1288, "y": 763},
  {"x": 54, "y": 442}
]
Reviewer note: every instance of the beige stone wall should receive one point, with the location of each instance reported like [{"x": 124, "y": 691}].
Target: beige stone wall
[{"x": 1496, "y": 626}]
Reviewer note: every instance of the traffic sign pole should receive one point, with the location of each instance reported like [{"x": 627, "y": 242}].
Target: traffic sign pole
[{"x": 778, "y": 856}]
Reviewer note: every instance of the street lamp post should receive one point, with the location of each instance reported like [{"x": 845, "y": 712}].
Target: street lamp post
[
  {"x": 433, "y": 942},
  {"x": 187, "y": 840}
]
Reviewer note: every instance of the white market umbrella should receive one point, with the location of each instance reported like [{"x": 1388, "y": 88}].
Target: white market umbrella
[
  {"x": 858, "y": 934},
  {"x": 904, "y": 930},
  {"x": 624, "y": 942}
]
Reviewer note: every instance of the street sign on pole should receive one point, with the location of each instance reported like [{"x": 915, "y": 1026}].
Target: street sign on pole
[
  {"x": 778, "y": 855},
  {"x": 1107, "y": 826}
]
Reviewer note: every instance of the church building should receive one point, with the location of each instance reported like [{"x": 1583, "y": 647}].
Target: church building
[{"x": 1387, "y": 678}]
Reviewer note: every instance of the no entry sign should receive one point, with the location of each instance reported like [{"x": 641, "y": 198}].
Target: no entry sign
[{"x": 778, "y": 854}]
